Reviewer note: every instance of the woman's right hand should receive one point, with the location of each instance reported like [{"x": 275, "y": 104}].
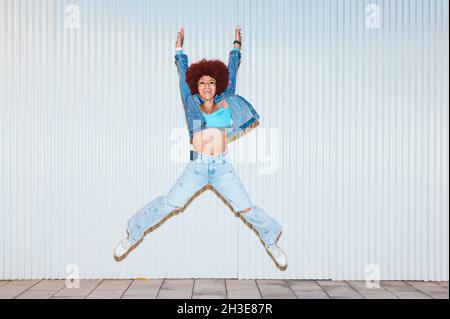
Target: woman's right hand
[{"x": 180, "y": 38}]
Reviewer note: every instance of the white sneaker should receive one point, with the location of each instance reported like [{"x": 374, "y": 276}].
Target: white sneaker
[
  {"x": 123, "y": 247},
  {"x": 277, "y": 254}
]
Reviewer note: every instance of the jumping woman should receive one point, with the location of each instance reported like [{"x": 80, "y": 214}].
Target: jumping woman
[{"x": 215, "y": 116}]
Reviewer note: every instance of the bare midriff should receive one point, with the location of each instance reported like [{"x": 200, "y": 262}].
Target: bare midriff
[{"x": 211, "y": 141}]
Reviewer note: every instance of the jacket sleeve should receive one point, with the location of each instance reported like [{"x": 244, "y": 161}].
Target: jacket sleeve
[
  {"x": 181, "y": 61},
  {"x": 233, "y": 65}
]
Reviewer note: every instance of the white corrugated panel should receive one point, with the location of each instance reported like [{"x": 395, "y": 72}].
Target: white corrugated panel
[{"x": 351, "y": 156}]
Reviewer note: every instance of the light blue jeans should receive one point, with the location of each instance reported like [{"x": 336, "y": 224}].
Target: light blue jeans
[{"x": 219, "y": 173}]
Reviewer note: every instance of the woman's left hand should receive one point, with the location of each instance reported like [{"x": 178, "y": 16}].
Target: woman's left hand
[{"x": 238, "y": 37}]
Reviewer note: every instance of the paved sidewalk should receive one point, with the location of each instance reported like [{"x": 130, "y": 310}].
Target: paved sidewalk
[{"x": 222, "y": 288}]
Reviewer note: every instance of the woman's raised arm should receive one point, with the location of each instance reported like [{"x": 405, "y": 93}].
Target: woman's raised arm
[
  {"x": 181, "y": 60},
  {"x": 180, "y": 39},
  {"x": 233, "y": 60},
  {"x": 237, "y": 38}
]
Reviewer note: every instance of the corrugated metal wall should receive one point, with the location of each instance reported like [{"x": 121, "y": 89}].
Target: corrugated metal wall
[{"x": 351, "y": 156}]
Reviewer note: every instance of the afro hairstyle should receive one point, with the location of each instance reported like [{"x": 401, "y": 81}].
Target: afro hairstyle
[{"x": 213, "y": 68}]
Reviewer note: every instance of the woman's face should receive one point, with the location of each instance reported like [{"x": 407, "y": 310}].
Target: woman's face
[{"x": 207, "y": 87}]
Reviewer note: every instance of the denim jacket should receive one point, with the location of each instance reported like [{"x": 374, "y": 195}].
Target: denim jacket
[{"x": 243, "y": 115}]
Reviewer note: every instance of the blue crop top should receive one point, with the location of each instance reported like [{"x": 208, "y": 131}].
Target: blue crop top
[{"x": 220, "y": 118}]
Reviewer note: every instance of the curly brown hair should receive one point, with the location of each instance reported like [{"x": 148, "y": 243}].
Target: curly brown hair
[{"x": 214, "y": 68}]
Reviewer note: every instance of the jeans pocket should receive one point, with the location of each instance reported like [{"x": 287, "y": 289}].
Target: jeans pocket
[
  {"x": 228, "y": 174},
  {"x": 195, "y": 167}
]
